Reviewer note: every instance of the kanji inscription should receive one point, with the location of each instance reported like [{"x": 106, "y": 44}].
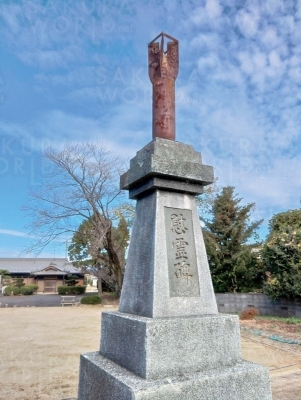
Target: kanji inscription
[{"x": 181, "y": 254}]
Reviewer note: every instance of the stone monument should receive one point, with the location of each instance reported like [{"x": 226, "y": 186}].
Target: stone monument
[{"x": 167, "y": 341}]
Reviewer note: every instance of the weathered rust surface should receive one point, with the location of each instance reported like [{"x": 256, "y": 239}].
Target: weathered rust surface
[{"x": 163, "y": 70}]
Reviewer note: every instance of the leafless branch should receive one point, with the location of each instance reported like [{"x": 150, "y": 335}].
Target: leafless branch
[{"x": 83, "y": 181}]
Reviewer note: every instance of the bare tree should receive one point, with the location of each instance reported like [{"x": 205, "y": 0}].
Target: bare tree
[
  {"x": 89, "y": 248},
  {"x": 82, "y": 184}
]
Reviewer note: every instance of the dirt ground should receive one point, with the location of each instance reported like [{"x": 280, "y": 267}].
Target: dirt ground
[
  {"x": 283, "y": 360},
  {"x": 40, "y": 349}
]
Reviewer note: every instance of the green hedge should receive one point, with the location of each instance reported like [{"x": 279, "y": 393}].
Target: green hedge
[
  {"x": 80, "y": 289},
  {"x": 64, "y": 290},
  {"x": 16, "y": 290},
  {"x": 24, "y": 290},
  {"x": 8, "y": 291},
  {"x": 33, "y": 286},
  {"x": 95, "y": 299}
]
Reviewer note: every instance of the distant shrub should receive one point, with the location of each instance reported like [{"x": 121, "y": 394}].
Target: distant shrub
[
  {"x": 79, "y": 289},
  {"x": 33, "y": 286},
  {"x": 91, "y": 300},
  {"x": 249, "y": 313},
  {"x": 64, "y": 290},
  {"x": 26, "y": 290},
  {"x": 8, "y": 291},
  {"x": 16, "y": 290}
]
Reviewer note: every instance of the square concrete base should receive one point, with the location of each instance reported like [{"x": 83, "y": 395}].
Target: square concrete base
[
  {"x": 155, "y": 348},
  {"x": 102, "y": 379}
]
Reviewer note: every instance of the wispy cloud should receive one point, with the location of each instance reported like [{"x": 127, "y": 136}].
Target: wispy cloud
[
  {"x": 54, "y": 34},
  {"x": 13, "y": 233},
  {"x": 55, "y": 127},
  {"x": 60, "y": 240}
]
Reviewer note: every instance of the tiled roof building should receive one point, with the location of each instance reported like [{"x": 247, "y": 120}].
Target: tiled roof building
[{"x": 47, "y": 273}]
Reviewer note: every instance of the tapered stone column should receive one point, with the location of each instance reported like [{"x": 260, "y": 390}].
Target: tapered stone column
[{"x": 167, "y": 263}]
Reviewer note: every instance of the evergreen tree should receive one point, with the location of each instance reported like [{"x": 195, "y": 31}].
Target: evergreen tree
[
  {"x": 234, "y": 267},
  {"x": 280, "y": 222},
  {"x": 281, "y": 256},
  {"x": 5, "y": 277},
  {"x": 18, "y": 282},
  {"x": 71, "y": 280}
]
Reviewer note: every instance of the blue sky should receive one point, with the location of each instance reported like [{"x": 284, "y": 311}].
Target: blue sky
[{"x": 77, "y": 70}]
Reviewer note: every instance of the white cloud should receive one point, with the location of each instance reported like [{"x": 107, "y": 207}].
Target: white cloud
[
  {"x": 208, "y": 63},
  {"x": 51, "y": 59},
  {"x": 295, "y": 61},
  {"x": 246, "y": 63},
  {"x": 213, "y": 8},
  {"x": 259, "y": 60},
  {"x": 54, "y": 34},
  {"x": 13, "y": 233},
  {"x": 81, "y": 76},
  {"x": 56, "y": 127},
  {"x": 206, "y": 42},
  {"x": 274, "y": 59},
  {"x": 269, "y": 38},
  {"x": 272, "y": 7},
  {"x": 287, "y": 25},
  {"x": 11, "y": 14},
  {"x": 275, "y": 188},
  {"x": 199, "y": 16},
  {"x": 280, "y": 186},
  {"x": 248, "y": 23},
  {"x": 295, "y": 74}
]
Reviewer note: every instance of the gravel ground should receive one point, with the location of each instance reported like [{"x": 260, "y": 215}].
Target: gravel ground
[{"x": 41, "y": 347}]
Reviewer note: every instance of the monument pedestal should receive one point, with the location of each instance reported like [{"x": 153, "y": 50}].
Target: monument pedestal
[
  {"x": 102, "y": 379},
  {"x": 167, "y": 341},
  {"x": 156, "y": 348}
]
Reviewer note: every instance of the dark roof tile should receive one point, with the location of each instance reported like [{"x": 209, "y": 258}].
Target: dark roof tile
[{"x": 28, "y": 265}]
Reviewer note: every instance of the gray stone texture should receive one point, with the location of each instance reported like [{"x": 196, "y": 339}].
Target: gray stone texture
[
  {"x": 155, "y": 348},
  {"x": 102, "y": 379},
  {"x": 181, "y": 253},
  {"x": 146, "y": 289},
  {"x": 162, "y": 157},
  {"x": 167, "y": 341},
  {"x": 167, "y": 184}
]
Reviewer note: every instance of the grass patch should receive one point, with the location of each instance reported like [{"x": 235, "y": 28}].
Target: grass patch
[
  {"x": 114, "y": 295},
  {"x": 289, "y": 320}
]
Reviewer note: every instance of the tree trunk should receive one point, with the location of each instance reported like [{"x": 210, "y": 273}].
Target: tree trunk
[
  {"x": 99, "y": 283},
  {"x": 119, "y": 280},
  {"x": 114, "y": 261}
]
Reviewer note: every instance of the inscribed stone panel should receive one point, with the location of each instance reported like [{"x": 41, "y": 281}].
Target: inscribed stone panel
[{"x": 181, "y": 253}]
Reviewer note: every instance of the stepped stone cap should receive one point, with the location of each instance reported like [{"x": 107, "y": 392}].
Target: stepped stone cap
[{"x": 166, "y": 158}]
